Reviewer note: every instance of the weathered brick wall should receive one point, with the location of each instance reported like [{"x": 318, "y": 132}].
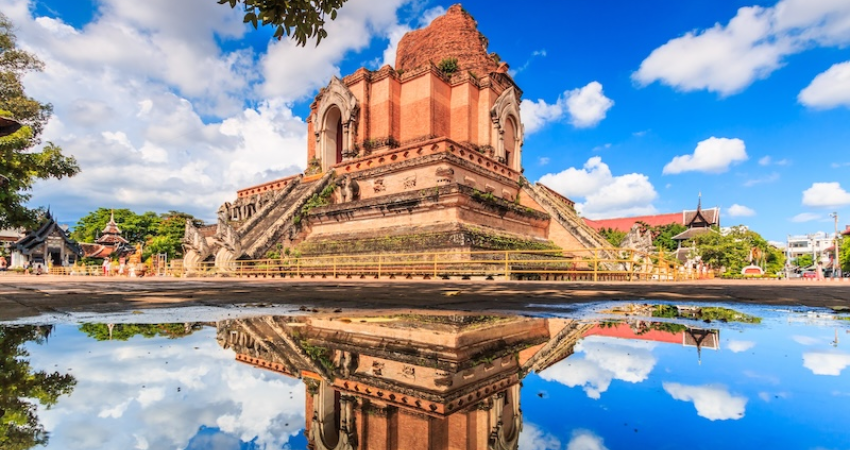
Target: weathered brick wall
[{"x": 454, "y": 35}]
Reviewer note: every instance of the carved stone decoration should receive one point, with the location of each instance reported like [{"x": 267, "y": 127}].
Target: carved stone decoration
[
  {"x": 408, "y": 372},
  {"x": 445, "y": 175},
  {"x": 410, "y": 182},
  {"x": 230, "y": 246},
  {"x": 336, "y": 95},
  {"x": 323, "y": 433},
  {"x": 505, "y": 107},
  {"x": 195, "y": 247},
  {"x": 636, "y": 240},
  {"x": 349, "y": 189},
  {"x": 507, "y": 417},
  {"x": 378, "y": 185}
]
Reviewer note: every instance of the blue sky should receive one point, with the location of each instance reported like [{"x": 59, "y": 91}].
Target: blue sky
[{"x": 630, "y": 107}]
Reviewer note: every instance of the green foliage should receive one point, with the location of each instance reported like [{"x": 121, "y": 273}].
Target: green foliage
[
  {"x": 707, "y": 313},
  {"x": 804, "y": 261},
  {"x": 733, "y": 250},
  {"x": 844, "y": 258},
  {"x": 276, "y": 252},
  {"x": 124, "y": 332},
  {"x": 319, "y": 354},
  {"x": 321, "y": 199},
  {"x": 448, "y": 66},
  {"x": 161, "y": 233},
  {"x": 662, "y": 236},
  {"x": 21, "y": 386},
  {"x": 299, "y": 19},
  {"x": 615, "y": 237},
  {"x": 20, "y": 166}
]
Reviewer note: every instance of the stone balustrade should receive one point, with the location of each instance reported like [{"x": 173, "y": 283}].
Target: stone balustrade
[{"x": 267, "y": 186}]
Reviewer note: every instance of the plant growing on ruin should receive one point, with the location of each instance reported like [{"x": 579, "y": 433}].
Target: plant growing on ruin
[{"x": 448, "y": 66}]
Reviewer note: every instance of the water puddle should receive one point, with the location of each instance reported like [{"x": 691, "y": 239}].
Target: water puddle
[{"x": 609, "y": 376}]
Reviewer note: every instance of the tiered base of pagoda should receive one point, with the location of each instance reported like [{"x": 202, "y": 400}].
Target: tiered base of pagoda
[{"x": 449, "y": 218}]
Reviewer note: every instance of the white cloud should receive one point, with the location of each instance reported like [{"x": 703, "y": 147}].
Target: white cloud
[
  {"x": 826, "y": 195},
  {"x": 544, "y": 160},
  {"x": 713, "y": 402},
  {"x": 533, "y": 438},
  {"x": 535, "y": 115},
  {"x": 737, "y": 210},
  {"x": 604, "y": 194},
  {"x": 768, "y": 160},
  {"x": 765, "y": 161},
  {"x": 727, "y": 59},
  {"x": 829, "y": 89},
  {"x": 740, "y": 346},
  {"x": 599, "y": 360},
  {"x": 154, "y": 110},
  {"x": 826, "y": 363},
  {"x": 713, "y": 155},
  {"x": 585, "y": 440},
  {"x": 805, "y": 340},
  {"x": 585, "y": 106},
  {"x": 805, "y": 217},
  {"x": 136, "y": 403}
]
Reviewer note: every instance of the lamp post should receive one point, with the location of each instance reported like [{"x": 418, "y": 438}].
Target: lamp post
[{"x": 836, "y": 261}]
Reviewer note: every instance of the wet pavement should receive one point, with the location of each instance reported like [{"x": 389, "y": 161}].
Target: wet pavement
[
  {"x": 27, "y": 296},
  {"x": 601, "y": 375}
]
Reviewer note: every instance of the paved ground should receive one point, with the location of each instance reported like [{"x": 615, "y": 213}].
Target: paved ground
[{"x": 25, "y": 296}]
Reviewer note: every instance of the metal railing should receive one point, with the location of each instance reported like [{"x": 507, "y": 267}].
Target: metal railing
[{"x": 601, "y": 264}]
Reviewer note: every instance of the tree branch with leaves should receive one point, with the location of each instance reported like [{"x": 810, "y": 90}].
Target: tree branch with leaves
[{"x": 299, "y": 19}]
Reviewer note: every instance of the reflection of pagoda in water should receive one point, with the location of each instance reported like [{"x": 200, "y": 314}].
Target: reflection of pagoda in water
[{"x": 408, "y": 381}]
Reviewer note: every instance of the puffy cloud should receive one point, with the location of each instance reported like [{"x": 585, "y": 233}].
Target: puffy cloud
[
  {"x": 829, "y": 89},
  {"x": 604, "y": 194},
  {"x": 768, "y": 160},
  {"x": 740, "y": 346},
  {"x": 805, "y": 217},
  {"x": 136, "y": 402},
  {"x": 713, "y": 155},
  {"x": 585, "y": 106},
  {"x": 155, "y": 111},
  {"x": 727, "y": 59},
  {"x": 599, "y": 360},
  {"x": 826, "y": 195},
  {"x": 533, "y": 438},
  {"x": 585, "y": 440},
  {"x": 826, "y": 363},
  {"x": 713, "y": 402},
  {"x": 535, "y": 115},
  {"x": 737, "y": 210}
]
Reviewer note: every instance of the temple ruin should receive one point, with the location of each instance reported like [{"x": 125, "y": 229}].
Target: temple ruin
[{"x": 426, "y": 156}]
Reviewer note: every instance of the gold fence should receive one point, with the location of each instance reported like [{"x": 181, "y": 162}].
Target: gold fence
[{"x": 602, "y": 264}]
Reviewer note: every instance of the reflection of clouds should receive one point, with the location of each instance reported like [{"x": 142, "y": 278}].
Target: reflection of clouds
[
  {"x": 533, "y": 438},
  {"x": 740, "y": 346},
  {"x": 599, "y": 360},
  {"x": 768, "y": 397},
  {"x": 712, "y": 401},
  {"x": 805, "y": 340},
  {"x": 127, "y": 395},
  {"x": 826, "y": 363},
  {"x": 585, "y": 440}
]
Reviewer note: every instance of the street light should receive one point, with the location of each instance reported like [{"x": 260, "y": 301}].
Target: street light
[{"x": 836, "y": 261}]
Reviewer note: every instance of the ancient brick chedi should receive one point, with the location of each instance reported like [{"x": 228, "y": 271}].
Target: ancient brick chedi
[{"x": 423, "y": 156}]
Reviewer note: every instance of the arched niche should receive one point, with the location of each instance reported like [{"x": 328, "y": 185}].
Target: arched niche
[
  {"x": 507, "y": 137},
  {"x": 507, "y": 417},
  {"x": 336, "y": 120}
]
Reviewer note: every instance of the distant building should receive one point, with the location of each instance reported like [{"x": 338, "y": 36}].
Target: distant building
[
  {"x": 49, "y": 244},
  {"x": 109, "y": 244},
  {"x": 815, "y": 244}
]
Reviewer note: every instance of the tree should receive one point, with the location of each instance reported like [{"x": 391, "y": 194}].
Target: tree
[
  {"x": 124, "y": 332},
  {"x": 734, "y": 250},
  {"x": 845, "y": 255},
  {"x": 161, "y": 233},
  {"x": 662, "y": 236},
  {"x": 299, "y": 19},
  {"x": 20, "y": 167},
  {"x": 20, "y": 386},
  {"x": 614, "y": 237},
  {"x": 804, "y": 261}
]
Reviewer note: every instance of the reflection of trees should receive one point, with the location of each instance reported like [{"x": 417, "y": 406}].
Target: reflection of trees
[
  {"x": 123, "y": 332},
  {"x": 19, "y": 384},
  {"x": 706, "y": 313}
]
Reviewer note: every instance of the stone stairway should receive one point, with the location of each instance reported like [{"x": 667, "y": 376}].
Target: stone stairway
[
  {"x": 566, "y": 216},
  {"x": 258, "y": 237}
]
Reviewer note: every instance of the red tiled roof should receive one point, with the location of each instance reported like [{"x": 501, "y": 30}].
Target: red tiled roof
[
  {"x": 847, "y": 231},
  {"x": 624, "y": 331},
  {"x": 624, "y": 224}
]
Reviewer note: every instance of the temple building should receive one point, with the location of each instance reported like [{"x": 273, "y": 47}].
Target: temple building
[
  {"x": 109, "y": 244},
  {"x": 49, "y": 244},
  {"x": 423, "y": 156}
]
